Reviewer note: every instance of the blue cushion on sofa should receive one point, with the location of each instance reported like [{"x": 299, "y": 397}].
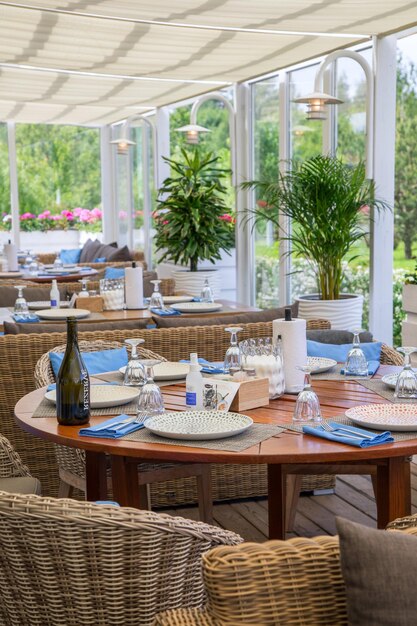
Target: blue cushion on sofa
[
  {"x": 70, "y": 256},
  {"x": 339, "y": 352},
  {"x": 95, "y": 362},
  {"x": 114, "y": 273}
]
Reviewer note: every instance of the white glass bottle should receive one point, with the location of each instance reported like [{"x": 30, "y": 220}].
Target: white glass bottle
[
  {"x": 54, "y": 295},
  {"x": 194, "y": 385}
]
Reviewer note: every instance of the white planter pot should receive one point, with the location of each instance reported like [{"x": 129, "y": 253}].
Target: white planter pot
[
  {"x": 50, "y": 241},
  {"x": 193, "y": 282},
  {"x": 343, "y": 314}
]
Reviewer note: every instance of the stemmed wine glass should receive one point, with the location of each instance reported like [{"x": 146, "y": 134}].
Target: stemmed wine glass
[
  {"x": 232, "y": 361},
  {"x": 207, "y": 292},
  {"x": 135, "y": 375},
  {"x": 58, "y": 264},
  {"x": 156, "y": 301},
  {"x": 20, "y": 305},
  {"x": 150, "y": 401},
  {"x": 356, "y": 363},
  {"x": 84, "y": 292},
  {"x": 406, "y": 387},
  {"x": 307, "y": 406}
]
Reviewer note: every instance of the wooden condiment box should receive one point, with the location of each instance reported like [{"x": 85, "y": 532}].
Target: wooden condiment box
[
  {"x": 251, "y": 394},
  {"x": 92, "y": 303}
]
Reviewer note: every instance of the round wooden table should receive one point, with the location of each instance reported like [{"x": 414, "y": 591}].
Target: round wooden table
[
  {"x": 287, "y": 454},
  {"x": 63, "y": 278}
]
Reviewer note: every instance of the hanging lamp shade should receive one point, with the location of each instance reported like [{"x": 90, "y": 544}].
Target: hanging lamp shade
[
  {"x": 316, "y": 104},
  {"x": 192, "y": 131}
]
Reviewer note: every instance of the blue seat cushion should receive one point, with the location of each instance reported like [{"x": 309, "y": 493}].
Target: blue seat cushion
[
  {"x": 114, "y": 273},
  {"x": 339, "y": 352},
  {"x": 95, "y": 362},
  {"x": 70, "y": 256}
]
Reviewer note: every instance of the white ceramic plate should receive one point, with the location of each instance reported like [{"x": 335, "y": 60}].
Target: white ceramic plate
[
  {"x": 44, "y": 304},
  {"x": 197, "y": 307},
  {"x": 10, "y": 274},
  {"x": 102, "y": 396},
  {"x": 401, "y": 417},
  {"x": 390, "y": 380},
  {"x": 62, "y": 314},
  {"x": 167, "y": 370},
  {"x": 320, "y": 364},
  {"x": 198, "y": 425},
  {"x": 175, "y": 299}
]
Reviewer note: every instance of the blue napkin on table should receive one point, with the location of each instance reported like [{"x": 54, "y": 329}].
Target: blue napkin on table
[
  {"x": 161, "y": 312},
  {"x": 349, "y": 438},
  {"x": 372, "y": 368},
  {"x": 110, "y": 431},
  {"x": 32, "y": 317},
  {"x": 207, "y": 367}
]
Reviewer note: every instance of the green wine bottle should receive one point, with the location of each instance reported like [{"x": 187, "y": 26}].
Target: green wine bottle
[{"x": 72, "y": 383}]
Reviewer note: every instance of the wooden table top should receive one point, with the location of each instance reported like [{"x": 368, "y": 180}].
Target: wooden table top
[{"x": 285, "y": 448}]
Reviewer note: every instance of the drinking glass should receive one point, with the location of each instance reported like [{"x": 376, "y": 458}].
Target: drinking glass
[
  {"x": 33, "y": 266},
  {"x": 58, "y": 264},
  {"x": 150, "y": 401},
  {"x": 356, "y": 363},
  {"x": 84, "y": 292},
  {"x": 406, "y": 387},
  {"x": 21, "y": 306},
  {"x": 232, "y": 357},
  {"x": 135, "y": 375},
  {"x": 307, "y": 406},
  {"x": 156, "y": 301},
  {"x": 207, "y": 292}
]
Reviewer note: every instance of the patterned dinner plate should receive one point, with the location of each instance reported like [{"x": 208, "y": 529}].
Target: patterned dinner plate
[
  {"x": 400, "y": 417},
  {"x": 319, "y": 364},
  {"x": 198, "y": 425},
  {"x": 197, "y": 307},
  {"x": 103, "y": 396}
]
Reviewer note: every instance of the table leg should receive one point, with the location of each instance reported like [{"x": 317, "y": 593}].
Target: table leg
[
  {"x": 96, "y": 476},
  {"x": 125, "y": 481},
  {"x": 393, "y": 495},
  {"x": 276, "y": 501}
]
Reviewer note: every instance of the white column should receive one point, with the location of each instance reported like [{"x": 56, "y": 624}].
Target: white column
[
  {"x": 146, "y": 197},
  {"x": 107, "y": 185},
  {"x": 163, "y": 146},
  {"x": 382, "y": 227},
  {"x": 14, "y": 189},
  {"x": 284, "y": 287},
  {"x": 245, "y": 268}
]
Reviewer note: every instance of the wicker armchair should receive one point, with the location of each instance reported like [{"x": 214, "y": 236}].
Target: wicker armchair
[
  {"x": 71, "y": 461},
  {"x": 68, "y": 563},
  {"x": 297, "y": 582},
  {"x": 15, "y": 476}
]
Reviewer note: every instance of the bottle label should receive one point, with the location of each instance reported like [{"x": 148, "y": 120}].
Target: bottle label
[
  {"x": 191, "y": 398},
  {"x": 54, "y": 304}
]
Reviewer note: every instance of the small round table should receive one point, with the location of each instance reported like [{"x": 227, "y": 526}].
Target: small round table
[{"x": 287, "y": 455}]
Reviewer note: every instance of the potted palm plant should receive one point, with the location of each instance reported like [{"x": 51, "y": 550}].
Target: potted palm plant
[
  {"x": 193, "y": 223},
  {"x": 324, "y": 200}
]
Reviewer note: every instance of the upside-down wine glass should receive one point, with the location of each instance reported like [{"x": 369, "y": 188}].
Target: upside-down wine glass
[
  {"x": 150, "y": 401},
  {"x": 406, "y": 387},
  {"x": 207, "y": 292},
  {"x": 356, "y": 363},
  {"x": 232, "y": 361},
  {"x": 156, "y": 301},
  {"x": 135, "y": 375},
  {"x": 20, "y": 305},
  {"x": 307, "y": 406},
  {"x": 84, "y": 292}
]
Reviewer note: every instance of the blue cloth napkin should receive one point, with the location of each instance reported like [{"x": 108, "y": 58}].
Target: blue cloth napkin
[
  {"x": 32, "y": 317},
  {"x": 163, "y": 313},
  {"x": 197, "y": 299},
  {"x": 95, "y": 362},
  {"x": 110, "y": 432},
  {"x": 372, "y": 368},
  {"x": 372, "y": 350},
  {"x": 349, "y": 438},
  {"x": 207, "y": 367}
]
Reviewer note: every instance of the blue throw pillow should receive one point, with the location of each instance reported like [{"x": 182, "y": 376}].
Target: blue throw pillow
[
  {"x": 339, "y": 353},
  {"x": 95, "y": 362},
  {"x": 100, "y": 259},
  {"x": 70, "y": 256},
  {"x": 114, "y": 273}
]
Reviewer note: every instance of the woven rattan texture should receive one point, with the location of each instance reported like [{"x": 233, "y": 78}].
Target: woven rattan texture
[
  {"x": 11, "y": 464},
  {"x": 86, "y": 564},
  {"x": 20, "y": 353}
]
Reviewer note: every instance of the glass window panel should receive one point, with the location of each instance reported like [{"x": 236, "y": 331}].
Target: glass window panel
[
  {"x": 5, "y": 216},
  {"x": 265, "y": 107},
  {"x": 305, "y": 135}
]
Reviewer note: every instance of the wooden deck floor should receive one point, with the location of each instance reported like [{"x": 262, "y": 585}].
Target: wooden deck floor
[{"x": 353, "y": 498}]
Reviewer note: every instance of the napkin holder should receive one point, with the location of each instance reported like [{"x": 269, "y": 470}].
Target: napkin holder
[
  {"x": 91, "y": 303},
  {"x": 251, "y": 394}
]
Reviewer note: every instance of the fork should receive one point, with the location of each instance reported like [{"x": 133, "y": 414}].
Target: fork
[{"x": 353, "y": 433}]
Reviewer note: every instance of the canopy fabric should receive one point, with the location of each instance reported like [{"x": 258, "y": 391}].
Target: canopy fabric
[{"x": 96, "y": 62}]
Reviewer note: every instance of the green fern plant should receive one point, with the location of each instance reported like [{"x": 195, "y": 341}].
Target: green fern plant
[
  {"x": 324, "y": 200},
  {"x": 193, "y": 222}
]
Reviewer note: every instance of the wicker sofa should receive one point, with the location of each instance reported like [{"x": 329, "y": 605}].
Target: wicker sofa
[{"x": 278, "y": 583}]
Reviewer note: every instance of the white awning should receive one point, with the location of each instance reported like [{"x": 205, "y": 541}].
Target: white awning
[{"x": 95, "y": 62}]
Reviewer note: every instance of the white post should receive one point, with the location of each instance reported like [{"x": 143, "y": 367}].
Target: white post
[
  {"x": 146, "y": 197},
  {"x": 245, "y": 268},
  {"x": 14, "y": 188},
  {"x": 382, "y": 226},
  {"x": 107, "y": 185},
  {"x": 284, "y": 286},
  {"x": 162, "y": 141}
]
